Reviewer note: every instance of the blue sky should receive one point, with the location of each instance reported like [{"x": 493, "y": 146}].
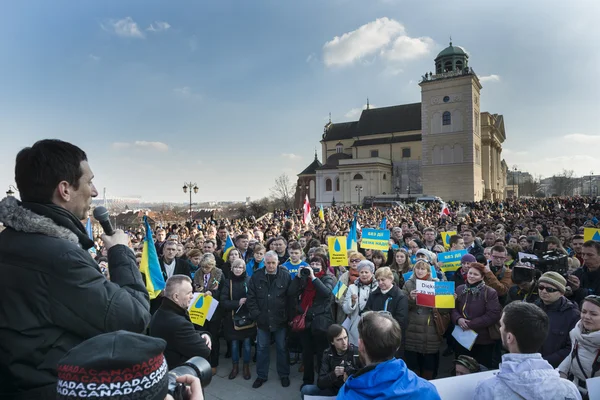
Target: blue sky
[{"x": 230, "y": 94}]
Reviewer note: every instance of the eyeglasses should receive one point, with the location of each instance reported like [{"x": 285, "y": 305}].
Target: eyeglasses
[
  {"x": 547, "y": 289},
  {"x": 354, "y": 260}
]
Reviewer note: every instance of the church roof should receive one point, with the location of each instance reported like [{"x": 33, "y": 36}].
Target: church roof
[
  {"x": 387, "y": 140},
  {"x": 334, "y": 160},
  {"x": 402, "y": 118},
  {"x": 312, "y": 168},
  {"x": 452, "y": 51}
]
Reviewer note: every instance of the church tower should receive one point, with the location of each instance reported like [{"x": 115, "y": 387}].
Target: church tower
[{"x": 450, "y": 128}]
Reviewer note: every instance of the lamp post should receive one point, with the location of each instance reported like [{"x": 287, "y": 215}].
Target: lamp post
[
  {"x": 591, "y": 175},
  {"x": 191, "y": 186},
  {"x": 515, "y": 190},
  {"x": 358, "y": 189},
  {"x": 408, "y": 190},
  {"x": 10, "y": 192},
  {"x": 397, "y": 190}
]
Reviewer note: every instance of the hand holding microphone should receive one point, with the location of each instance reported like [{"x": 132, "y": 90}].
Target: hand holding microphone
[{"x": 111, "y": 237}]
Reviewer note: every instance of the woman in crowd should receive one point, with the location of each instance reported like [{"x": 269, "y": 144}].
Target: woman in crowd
[
  {"x": 234, "y": 254},
  {"x": 194, "y": 257},
  {"x": 389, "y": 298},
  {"x": 584, "y": 361},
  {"x": 477, "y": 308},
  {"x": 555, "y": 244},
  {"x": 348, "y": 278},
  {"x": 356, "y": 297},
  {"x": 422, "y": 350},
  {"x": 233, "y": 301},
  {"x": 257, "y": 261},
  {"x": 378, "y": 259},
  {"x": 400, "y": 266},
  {"x": 313, "y": 287}
]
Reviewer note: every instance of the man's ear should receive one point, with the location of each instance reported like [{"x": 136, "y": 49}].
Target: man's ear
[{"x": 63, "y": 191}]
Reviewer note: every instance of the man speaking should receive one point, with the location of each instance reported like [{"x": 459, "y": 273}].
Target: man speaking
[{"x": 52, "y": 293}]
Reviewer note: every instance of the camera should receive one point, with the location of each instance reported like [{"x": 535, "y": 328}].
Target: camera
[
  {"x": 305, "y": 272},
  {"x": 548, "y": 260},
  {"x": 195, "y": 366}
]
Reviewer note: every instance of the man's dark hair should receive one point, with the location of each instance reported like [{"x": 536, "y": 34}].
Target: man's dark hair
[
  {"x": 454, "y": 239},
  {"x": 592, "y": 244},
  {"x": 40, "y": 168},
  {"x": 471, "y": 231},
  {"x": 577, "y": 237},
  {"x": 334, "y": 331},
  {"x": 294, "y": 246},
  {"x": 281, "y": 238},
  {"x": 499, "y": 249},
  {"x": 241, "y": 236},
  {"x": 222, "y": 227},
  {"x": 528, "y": 323},
  {"x": 381, "y": 335}
]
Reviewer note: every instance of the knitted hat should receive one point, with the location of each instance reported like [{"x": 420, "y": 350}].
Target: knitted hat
[
  {"x": 469, "y": 363},
  {"x": 468, "y": 258},
  {"x": 366, "y": 264},
  {"x": 116, "y": 365},
  {"x": 555, "y": 279},
  {"x": 424, "y": 252}
]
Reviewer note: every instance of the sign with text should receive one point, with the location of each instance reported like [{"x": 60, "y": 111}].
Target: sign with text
[
  {"x": 376, "y": 239},
  {"x": 446, "y": 238},
  {"x": 202, "y": 308},
  {"x": 451, "y": 260},
  {"x": 435, "y": 294},
  {"x": 338, "y": 252}
]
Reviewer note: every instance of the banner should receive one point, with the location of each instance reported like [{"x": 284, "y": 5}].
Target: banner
[
  {"x": 435, "y": 294},
  {"x": 202, "y": 308},
  {"x": 338, "y": 253},
  {"x": 591, "y": 234},
  {"x": 451, "y": 260},
  {"x": 375, "y": 239},
  {"x": 446, "y": 238}
]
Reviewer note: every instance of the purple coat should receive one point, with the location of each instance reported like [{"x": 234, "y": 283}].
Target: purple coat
[{"x": 482, "y": 310}]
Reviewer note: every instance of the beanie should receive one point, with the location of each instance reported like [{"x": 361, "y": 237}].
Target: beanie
[
  {"x": 468, "y": 258},
  {"x": 555, "y": 279},
  {"x": 116, "y": 365},
  {"x": 366, "y": 264},
  {"x": 425, "y": 252}
]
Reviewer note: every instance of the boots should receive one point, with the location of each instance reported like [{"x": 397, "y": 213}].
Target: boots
[
  {"x": 234, "y": 371},
  {"x": 246, "y": 371}
]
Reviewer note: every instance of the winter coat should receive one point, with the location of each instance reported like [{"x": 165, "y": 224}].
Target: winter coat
[
  {"x": 526, "y": 376},
  {"x": 252, "y": 266},
  {"x": 476, "y": 250},
  {"x": 563, "y": 315},
  {"x": 320, "y": 313},
  {"x": 230, "y": 303},
  {"x": 54, "y": 296},
  {"x": 215, "y": 282},
  {"x": 268, "y": 302},
  {"x": 589, "y": 283},
  {"x": 588, "y": 348},
  {"x": 397, "y": 305},
  {"x": 172, "y": 323},
  {"x": 387, "y": 380},
  {"x": 482, "y": 310},
  {"x": 354, "y": 311},
  {"x": 421, "y": 334},
  {"x": 331, "y": 359},
  {"x": 529, "y": 296},
  {"x": 500, "y": 281},
  {"x": 341, "y": 314}
]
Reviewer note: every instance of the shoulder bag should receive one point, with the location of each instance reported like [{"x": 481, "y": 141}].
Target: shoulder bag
[{"x": 240, "y": 322}]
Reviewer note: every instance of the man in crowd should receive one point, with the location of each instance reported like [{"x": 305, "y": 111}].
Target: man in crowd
[
  {"x": 172, "y": 323},
  {"x": 384, "y": 376},
  {"x": 456, "y": 243},
  {"x": 161, "y": 237},
  {"x": 295, "y": 262},
  {"x": 53, "y": 294},
  {"x": 577, "y": 246},
  {"x": 221, "y": 236},
  {"x": 497, "y": 275},
  {"x": 524, "y": 374},
  {"x": 210, "y": 247},
  {"x": 268, "y": 304},
  {"x": 397, "y": 235},
  {"x": 586, "y": 280},
  {"x": 471, "y": 245},
  {"x": 429, "y": 235},
  {"x": 281, "y": 248},
  {"x": 339, "y": 361},
  {"x": 490, "y": 239},
  {"x": 170, "y": 265},
  {"x": 241, "y": 243}
]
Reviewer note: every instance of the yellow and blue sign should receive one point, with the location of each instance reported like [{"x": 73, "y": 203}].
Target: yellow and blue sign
[
  {"x": 446, "y": 238},
  {"x": 591, "y": 234},
  {"x": 338, "y": 253},
  {"x": 376, "y": 239},
  {"x": 435, "y": 294},
  {"x": 200, "y": 308},
  {"x": 451, "y": 260}
]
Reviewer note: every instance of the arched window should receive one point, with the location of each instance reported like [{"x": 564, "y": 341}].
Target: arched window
[
  {"x": 357, "y": 177},
  {"x": 384, "y": 177},
  {"x": 328, "y": 185},
  {"x": 446, "y": 118},
  {"x": 448, "y": 66},
  {"x": 337, "y": 184},
  {"x": 339, "y": 147},
  {"x": 459, "y": 65},
  {"x": 437, "y": 155},
  {"x": 458, "y": 153}
]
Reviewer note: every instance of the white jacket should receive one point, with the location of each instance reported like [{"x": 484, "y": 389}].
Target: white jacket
[
  {"x": 588, "y": 346},
  {"x": 526, "y": 376},
  {"x": 354, "y": 311}
]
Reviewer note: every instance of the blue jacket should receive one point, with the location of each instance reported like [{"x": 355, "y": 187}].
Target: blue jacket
[
  {"x": 387, "y": 380},
  {"x": 252, "y": 266}
]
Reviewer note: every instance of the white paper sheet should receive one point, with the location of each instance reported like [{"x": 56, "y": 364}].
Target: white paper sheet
[
  {"x": 593, "y": 387},
  {"x": 465, "y": 338}
]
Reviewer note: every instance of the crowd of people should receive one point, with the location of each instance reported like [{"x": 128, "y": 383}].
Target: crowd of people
[{"x": 364, "y": 339}]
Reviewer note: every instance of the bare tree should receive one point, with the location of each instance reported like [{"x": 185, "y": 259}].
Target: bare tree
[
  {"x": 531, "y": 187},
  {"x": 283, "y": 191},
  {"x": 563, "y": 183}
]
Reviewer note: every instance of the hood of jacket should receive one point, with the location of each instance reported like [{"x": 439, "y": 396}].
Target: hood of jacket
[
  {"x": 19, "y": 218},
  {"x": 525, "y": 374},
  {"x": 388, "y": 380}
]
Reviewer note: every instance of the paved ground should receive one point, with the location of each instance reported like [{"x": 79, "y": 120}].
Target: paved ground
[{"x": 221, "y": 388}]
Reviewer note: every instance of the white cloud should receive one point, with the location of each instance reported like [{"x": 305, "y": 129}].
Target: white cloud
[
  {"x": 383, "y": 36},
  {"x": 291, "y": 156},
  {"x": 311, "y": 57},
  {"x": 125, "y": 27},
  {"x": 490, "y": 78},
  {"x": 583, "y": 138},
  {"x": 158, "y": 26},
  {"x": 93, "y": 57},
  {"x": 355, "y": 112},
  {"x": 141, "y": 145}
]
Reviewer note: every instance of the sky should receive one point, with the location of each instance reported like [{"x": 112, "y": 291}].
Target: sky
[{"x": 230, "y": 94}]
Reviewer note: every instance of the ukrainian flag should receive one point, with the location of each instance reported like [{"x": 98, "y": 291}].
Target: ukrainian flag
[
  {"x": 227, "y": 248},
  {"x": 383, "y": 224},
  {"x": 352, "y": 239},
  {"x": 149, "y": 266},
  {"x": 321, "y": 213}
]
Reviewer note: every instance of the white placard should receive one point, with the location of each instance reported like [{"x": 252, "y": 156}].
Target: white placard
[
  {"x": 460, "y": 387},
  {"x": 465, "y": 338},
  {"x": 593, "y": 387}
]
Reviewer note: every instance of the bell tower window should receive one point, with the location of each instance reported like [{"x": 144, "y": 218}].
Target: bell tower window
[{"x": 446, "y": 118}]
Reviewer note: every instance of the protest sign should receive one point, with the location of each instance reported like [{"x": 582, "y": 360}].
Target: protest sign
[
  {"x": 435, "y": 294},
  {"x": 451, "y": 260},
  {"x": 202, "y": 308},
  {"x": 338, "y": 252},
  {"x": 375, "y": 239},
  {"x": 446, "y": 238},
  {"x": 591, "y": 234}
]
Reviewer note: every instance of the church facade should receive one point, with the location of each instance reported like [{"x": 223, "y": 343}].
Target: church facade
[{"x": 443, "y": 146}]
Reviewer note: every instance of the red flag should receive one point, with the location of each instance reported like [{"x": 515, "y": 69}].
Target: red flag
[
  {"x": 306, "y": 211},
  {"x": 445, "y": 210}
]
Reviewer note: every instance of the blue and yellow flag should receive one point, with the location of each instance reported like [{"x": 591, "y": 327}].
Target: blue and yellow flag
[
  {"x": 352, "y": 239},
  {"x": 383, "y": 224},
  {"x": 321, "y": 213},
  {"x": 149, "y": 266},
  {"x": 227, "y": 247}
]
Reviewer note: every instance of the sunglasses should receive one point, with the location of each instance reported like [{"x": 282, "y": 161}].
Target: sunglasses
[
  {"x": 354, "y": 260},
  {"x": 547, "y": 289}
]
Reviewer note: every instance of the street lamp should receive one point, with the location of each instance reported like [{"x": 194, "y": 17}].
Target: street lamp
[
  {"x": 10, "y": 192},
  {"x": 358, "y": 189},
  {"x": 397, "y": 190},
  {"x": 191, "y": 186},
  {"x": 591, "y": 175},
  {"x": 408, "y": 190},
  {"x": 515, "y": 191}
]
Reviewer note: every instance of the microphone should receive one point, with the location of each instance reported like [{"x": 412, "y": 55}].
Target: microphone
[{"x": 101, "y": 215}]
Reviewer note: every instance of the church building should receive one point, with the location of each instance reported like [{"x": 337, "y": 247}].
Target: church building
[{"x": 443, "y": 146}]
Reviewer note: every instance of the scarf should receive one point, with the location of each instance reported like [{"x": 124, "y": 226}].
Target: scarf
[
  {"x": 64, "y": 218},
  {"x": 352, "y": 276},
  {"x": 474, "y": 289},
  {"x": 308, "y": 295}
]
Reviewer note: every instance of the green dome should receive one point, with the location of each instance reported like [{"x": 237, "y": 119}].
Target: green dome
[{"x": 452, "y": 51}]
